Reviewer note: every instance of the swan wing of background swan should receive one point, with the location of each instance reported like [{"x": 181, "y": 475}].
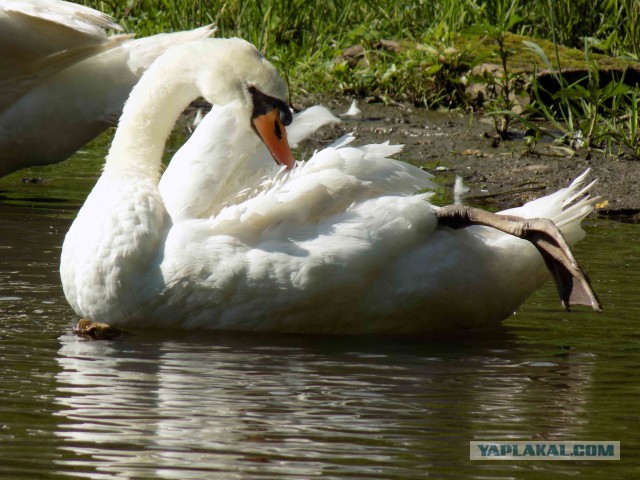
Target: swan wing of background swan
[
  {"x": 32, "y": 31},
  {"x": 63, "y": 80}
]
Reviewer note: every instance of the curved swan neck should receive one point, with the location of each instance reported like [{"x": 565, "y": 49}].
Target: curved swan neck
[
  {"x": 148, "y": 118},
  {"x": 217, "y": 69}
]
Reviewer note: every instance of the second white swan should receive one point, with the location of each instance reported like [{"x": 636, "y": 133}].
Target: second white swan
[{"x": 63, "y": 81}]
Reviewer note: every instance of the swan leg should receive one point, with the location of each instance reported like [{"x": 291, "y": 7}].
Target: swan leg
[
  {"x": 571, "y": 281},
  {"x": 96, "y": 330}
]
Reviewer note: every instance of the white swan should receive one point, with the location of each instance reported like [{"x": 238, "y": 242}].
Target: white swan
[
  {"x": 325, "y": 248},
  {"x": 62, "y": 79}
]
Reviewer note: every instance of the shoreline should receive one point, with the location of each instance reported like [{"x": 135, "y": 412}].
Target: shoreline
[{"x": 450, "y": 144}]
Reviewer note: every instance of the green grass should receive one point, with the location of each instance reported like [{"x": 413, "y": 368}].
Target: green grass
[
  {"x": 306, "y": 38},
  {"x": 437, "y": 43}
]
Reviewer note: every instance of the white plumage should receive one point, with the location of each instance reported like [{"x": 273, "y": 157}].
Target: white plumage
[
  {"x": 338, "y": 245},
  {"x": 222, "y": 162},
  {"x": 62, "y": 79}
]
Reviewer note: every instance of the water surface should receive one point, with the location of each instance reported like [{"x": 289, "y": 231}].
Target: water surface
[{"x": 204, "y": 406}]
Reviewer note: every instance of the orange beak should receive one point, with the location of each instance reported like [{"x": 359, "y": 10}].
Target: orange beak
[{"x": 273, "y": 134}]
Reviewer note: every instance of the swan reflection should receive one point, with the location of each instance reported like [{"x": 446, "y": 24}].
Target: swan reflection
[{"x": 190, "y": 407}]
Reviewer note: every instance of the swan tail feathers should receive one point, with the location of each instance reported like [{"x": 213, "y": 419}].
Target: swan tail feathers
[{"x": 567, "y": 207}]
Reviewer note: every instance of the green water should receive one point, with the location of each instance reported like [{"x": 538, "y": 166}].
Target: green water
[{"x": 203, "y": 406}]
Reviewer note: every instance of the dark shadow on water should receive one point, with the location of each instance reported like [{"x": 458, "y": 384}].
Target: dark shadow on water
[{"x": 470, "y": 341}]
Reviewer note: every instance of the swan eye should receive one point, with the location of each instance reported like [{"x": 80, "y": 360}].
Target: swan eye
[{"x": 252, "y": 90}]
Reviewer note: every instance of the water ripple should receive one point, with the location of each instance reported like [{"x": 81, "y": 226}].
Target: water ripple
[{"x": 209, "y": 406}]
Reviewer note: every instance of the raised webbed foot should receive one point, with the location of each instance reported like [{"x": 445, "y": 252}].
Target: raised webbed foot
[{"x": 572, "y": 283}]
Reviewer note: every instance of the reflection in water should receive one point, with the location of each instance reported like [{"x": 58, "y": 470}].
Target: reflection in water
[
  {"x": 227, "y": 406},
  {"x": 297, "y": 407}
]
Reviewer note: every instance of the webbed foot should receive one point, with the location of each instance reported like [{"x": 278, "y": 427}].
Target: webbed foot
[
  {"x": 571, "y": 281},
  {"x": 97, "y": 331}
]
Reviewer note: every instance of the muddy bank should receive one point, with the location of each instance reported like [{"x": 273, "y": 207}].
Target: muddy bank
[{"x": 507, "y": 175}]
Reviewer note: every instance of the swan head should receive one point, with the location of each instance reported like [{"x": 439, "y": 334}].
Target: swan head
[{"x": 249, "y": 77}]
